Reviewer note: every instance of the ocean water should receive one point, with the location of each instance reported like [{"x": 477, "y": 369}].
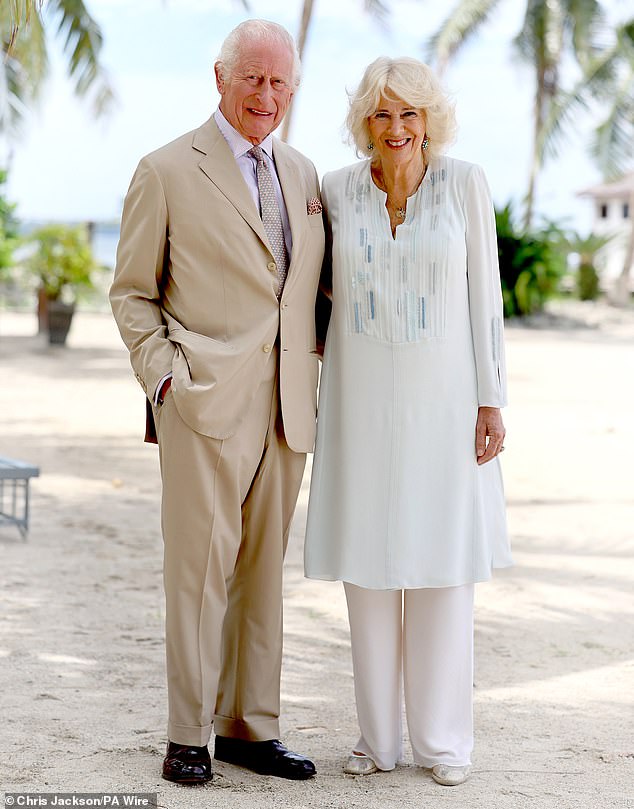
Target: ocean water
[{"x": 105, "y": 238}]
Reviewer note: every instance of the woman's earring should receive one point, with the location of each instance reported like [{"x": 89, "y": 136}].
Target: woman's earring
[
  {"x": 425, "y": 142},
  {"x": 370, "y": 146}
]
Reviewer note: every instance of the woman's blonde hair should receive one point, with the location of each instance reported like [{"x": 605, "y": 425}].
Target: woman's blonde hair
[{"x": 414, "y": 83}]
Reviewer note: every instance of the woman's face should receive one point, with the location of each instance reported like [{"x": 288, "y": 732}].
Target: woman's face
[{"x": 397, "y": 131}]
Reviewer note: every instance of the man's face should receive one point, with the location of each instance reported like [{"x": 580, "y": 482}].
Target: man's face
[{"x": 256, "y": 96}]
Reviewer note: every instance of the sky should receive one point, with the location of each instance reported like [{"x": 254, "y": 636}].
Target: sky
[{"x": 159, "y": 55}]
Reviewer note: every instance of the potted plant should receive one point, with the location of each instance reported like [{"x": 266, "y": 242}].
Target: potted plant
[
  {"x": 63, "y": 264},
  {"x": 8, "y": 232}
]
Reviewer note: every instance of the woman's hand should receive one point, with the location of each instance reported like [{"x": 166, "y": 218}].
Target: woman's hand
[{"x": 489, "y": 426}]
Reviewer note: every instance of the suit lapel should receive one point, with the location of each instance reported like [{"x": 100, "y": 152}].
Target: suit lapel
[
  {"x": 293, "y": 198},
  {"x": 221, "y": 168}
]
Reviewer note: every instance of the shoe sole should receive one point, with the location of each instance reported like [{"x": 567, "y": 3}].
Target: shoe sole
[
  {"x": 261, "y": 771},
  {"x": 450, "y": 783},
  {"x": 446, "y": 783},
  {"x": 189, "y": 781}
]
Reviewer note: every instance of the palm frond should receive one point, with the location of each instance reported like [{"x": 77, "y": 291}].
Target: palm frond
[
  {"x": 564, "y": 111},
  {"x": 12, "y": 106},
  {"x": 611, "y": 81},
  {"x": 18, "y": 13},
  {"x": 23, "y": 68},
  {"x": 626, "y": 32},
  {"x": 377, "y": 9},
  {"x": 587, "y": 25},
  {"x": 540, "y": 41},
  {"x": 24, "y": 48},
  {"x": 601, "y": 75},
  {"x": 613, "y": 144},
  {"x": 457, "y": 29},
  {"x": 82, "y": 45},
  {"x": 599, "y": 85},
  {"x": 31, "y": 52}
]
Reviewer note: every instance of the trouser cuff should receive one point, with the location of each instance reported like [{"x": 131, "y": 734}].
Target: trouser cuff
[
  {"x": 259, "y": 730},
  {"x": 187, "y": 734}
]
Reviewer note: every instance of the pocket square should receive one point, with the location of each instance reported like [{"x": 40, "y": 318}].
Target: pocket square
[{"x": 313, "y": 206}]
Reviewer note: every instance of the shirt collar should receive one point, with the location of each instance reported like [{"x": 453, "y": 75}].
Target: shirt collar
[{"x": 239, "y": 145}]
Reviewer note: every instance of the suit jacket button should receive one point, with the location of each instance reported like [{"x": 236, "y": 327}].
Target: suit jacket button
[
  {"x": 272, "y": 266},
  {"x": 267, "y": 348}
]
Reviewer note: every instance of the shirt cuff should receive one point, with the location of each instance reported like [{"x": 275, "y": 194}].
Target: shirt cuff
[{"x": 159, "y": 386}]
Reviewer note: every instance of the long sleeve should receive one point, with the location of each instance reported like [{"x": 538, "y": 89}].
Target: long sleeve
[
  {"x": 135, "y": 294},
  {"x": 485, "y": 294}
]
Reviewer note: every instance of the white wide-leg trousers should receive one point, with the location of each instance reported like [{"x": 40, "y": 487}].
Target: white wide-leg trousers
[{"x": 424, "y": 639}]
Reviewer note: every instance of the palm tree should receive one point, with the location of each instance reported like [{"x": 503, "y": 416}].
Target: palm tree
[
  {"x": 19, "y": 13},
  {"x": 613, "y": 145},
  {"x": 24, "y": 55},
  {"x": 608, "y": 82},
  {"x": 551, "y": 31},
  {"x": 587, "y": 248},
  {"x": 376, "y": 8}
]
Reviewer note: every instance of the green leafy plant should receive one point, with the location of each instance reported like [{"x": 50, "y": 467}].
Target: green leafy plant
[
  {"x": 532, "y": 264},
  {"x": 8, "y": 229},
  {"x": 587, "y": 277},
  {"x": 63, "y": 261}
]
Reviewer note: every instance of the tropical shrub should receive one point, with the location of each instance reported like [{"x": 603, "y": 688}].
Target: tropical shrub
[
  {"x": 587, "y": 277},
  {"x": 8, "y": 230},
  {"x": 587, "y": 282},
  {"x": 532, "y": 264}
]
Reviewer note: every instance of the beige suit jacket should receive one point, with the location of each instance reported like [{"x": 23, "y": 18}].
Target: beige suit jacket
[{"x": 195, "y": 284}]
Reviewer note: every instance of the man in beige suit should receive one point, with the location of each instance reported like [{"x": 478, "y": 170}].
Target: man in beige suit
[{"x": 214, "y": 294}]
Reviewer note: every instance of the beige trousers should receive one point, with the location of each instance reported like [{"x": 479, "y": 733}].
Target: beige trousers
[
  {"x": 424, "y": 640},
  {"x": 226, "y": 513}
]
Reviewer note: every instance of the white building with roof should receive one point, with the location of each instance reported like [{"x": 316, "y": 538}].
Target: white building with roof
[{"x": 613, "y": 212}]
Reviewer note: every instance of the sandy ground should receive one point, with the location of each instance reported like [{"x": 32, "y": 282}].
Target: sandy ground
[{"x": 81, "y": 647}]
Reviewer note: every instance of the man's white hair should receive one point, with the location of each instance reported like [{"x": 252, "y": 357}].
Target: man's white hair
[{"x": 256, "y": 31}]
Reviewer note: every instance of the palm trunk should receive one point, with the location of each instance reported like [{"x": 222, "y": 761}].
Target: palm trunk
[
  {"x": 307, "y": 13},
  {"x": 535, "y": 157}
]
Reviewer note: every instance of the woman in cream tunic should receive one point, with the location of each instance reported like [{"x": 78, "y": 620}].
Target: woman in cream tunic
[{"x": 406, "y": 504}]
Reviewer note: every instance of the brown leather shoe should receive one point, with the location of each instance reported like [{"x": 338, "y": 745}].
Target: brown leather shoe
[
  {"x": 187, "y": 765},
  {"x": 266, "y": 758}
]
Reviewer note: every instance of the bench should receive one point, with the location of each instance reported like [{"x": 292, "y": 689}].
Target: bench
[{"x": 14, "y": 493}]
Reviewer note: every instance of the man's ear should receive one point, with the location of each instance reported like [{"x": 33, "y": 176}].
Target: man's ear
[{"x": 220, "y": 82}]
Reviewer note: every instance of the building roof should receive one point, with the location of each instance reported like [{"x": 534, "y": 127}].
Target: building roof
[{"x": 622, "y": 188}]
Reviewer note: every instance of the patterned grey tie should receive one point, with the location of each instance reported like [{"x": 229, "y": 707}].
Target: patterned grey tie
[{"x": 271, "y": 217}]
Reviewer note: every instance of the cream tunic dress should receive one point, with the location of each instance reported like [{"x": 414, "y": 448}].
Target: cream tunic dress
[{"x": 414, "y": 346}]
